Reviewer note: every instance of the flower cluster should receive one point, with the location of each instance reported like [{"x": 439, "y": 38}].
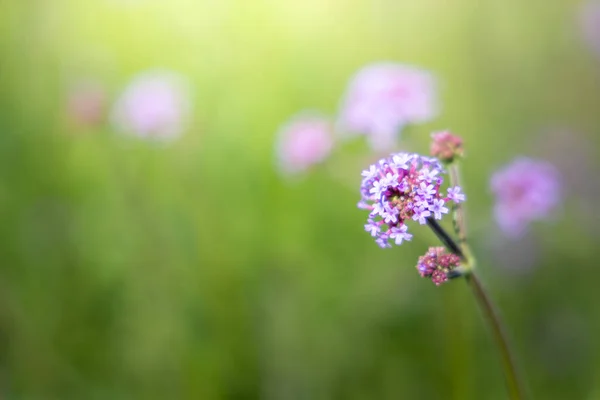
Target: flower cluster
[
  {"x": 526, "y": 190},
  {"x": 306, "y": 139},
  {"x": 384, "y": 97},
  {"x": 436, "y": 264},
  {"x": 402, "y": 187},
  {"x": 155, "y": 105}
]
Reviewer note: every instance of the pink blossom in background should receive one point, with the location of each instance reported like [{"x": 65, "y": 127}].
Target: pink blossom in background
[
  {"x": 382, "y": 98},
  {"x": 86, "y": 103},
  {"x": 526, "y": 190},
  {"x": 303, "y": 141},
  {"x": 590, "y": 24},
  {"x": 154, "y": 105}
]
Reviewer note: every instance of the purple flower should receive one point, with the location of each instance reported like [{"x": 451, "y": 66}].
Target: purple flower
[
  {"x": 426, "y": 190},
  {"x": 590, "y": 24},
  {"x": 526, "y": 190},
  {"x": 382, "y": 241},
  {"x": 306, "y": 139},
  {"x": 372, "y": 228},
  {"x": 390, "y": 217},
  {"x": 400, "y": 188},
  {"x": 398, "y": 233},
  {"x": 429, "y": 175},
  {"x": 438, "y": 208},
  {"x": 436, "y": 264},
  {"x": 378, "y": 187},
  {"x": 384, "y": 97},
  {"x": 154, "y": 105},
  {"x": 370, "y": 173},
  {"x": 455, "y": 195},
  {"x": 421, "y": 214},
  {"x": 401, "y": 160}
]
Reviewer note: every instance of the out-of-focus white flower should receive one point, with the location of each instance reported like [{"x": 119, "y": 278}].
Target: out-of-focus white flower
[
  {"x": 306, "y": 139},
  {"x": 155, "y": 105},
  {"x": 384, "y": 97}
]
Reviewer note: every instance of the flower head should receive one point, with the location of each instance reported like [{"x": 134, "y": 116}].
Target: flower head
[
  {"x": 153, "y": 105},
  {"x": 436, "y": 264},
  {"x": 446, "y": 146},
  {"x": 383, "y": 97},
  {"x": 526, "y": 190},
  {"x": 303, "y": 141},
  {"x": 399, "y": 188}
]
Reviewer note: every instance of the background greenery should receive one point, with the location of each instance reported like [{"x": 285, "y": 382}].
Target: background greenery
[{"x": 194, "y": 270}]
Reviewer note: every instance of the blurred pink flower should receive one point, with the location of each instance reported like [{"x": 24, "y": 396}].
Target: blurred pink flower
[
  {"x": 155, "y": 104},
  {"x": 526, "y": 190},
  {"x": 382, "y": 98},
  {"x": 590, "y": 24},
  {"x": 306, "y": 139},
  {"x": 86, "y": 103}
]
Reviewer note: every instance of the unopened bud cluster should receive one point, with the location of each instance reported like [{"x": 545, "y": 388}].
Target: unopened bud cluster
[
  {"x": 446, "y": 146},
  {"x": 436, "y": 264}
]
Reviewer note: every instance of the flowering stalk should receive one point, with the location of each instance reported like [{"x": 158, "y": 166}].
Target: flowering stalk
[
  {"x": 459, "y": 217},
  {"x": 515, "y": 388},
  {"x": 405, "y": 187},
  {"x": 487, "y": 307}
]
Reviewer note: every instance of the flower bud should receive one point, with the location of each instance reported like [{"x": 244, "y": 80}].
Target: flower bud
[
  {"x": 446, "y": 146},
  {"x": 436, "y": 264}
]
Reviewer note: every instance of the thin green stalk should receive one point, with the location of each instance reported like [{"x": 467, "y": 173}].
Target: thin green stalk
[
  {"x": 445, "y": 238},
  {"x": 513, "y": 383},
  {"x": 460, "y": 225},
  {"x": 491, "y": 315}
]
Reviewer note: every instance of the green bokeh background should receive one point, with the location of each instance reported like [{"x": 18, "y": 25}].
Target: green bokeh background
[{"x": 134, "y": 270}]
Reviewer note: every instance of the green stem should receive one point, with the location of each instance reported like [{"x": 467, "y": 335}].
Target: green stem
[
  {"x": 445, "y": 238},
  {"x": 491, "y": 315},
  {"x": 460, "y": 225},
  {"x": 515, "y": 388}
]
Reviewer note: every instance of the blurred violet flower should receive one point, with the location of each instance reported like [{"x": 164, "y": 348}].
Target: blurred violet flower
[
  {"x": 382, "y": 98},
  {"x": 590, "y": 24},
  {"x": 155, "y": 104},
  {"x": 306, "y": 139},
  {"x": 399, "y": 188},
  {"x": 526, "y": 190},
  {"x": 86, "y": 103}
]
